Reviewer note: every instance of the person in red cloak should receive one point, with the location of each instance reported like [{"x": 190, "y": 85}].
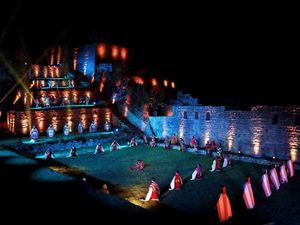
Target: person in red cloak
[
  {"x": 216, "y": 165},
  {"x": 153, "y": 192},
  {"x": 174, "y": 139},
  {"x": 248, "y": 194},
  {"x": 99, "y": 149},
  {"x": 224, "y": 206},
  {"x": 72, "y": 152},
  {"x": 176, "y": 182},
  {"x": 197, "y": 174},
  {"x": 193, "y": 142},
  {"x": 49, "y": 155},
  {"x": 139, "y": 165},
  {"x": 114, "y": 145}
]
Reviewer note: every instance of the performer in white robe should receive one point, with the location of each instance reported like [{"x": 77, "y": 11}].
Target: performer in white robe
[
  {"x": 197, "y": 174},
  {"x": 49, "y": 155},
  {"x": 92, "y": 127},
  {"x": 107, "y": 126},
  {"x": 34, "y": 134},
  {"x": 66, "y": 130},
  {"x": 266, "y": 184},
  {"x": 274, "y": 178},
  {"x": 99, "y": 149},
  {"x": 50, "y": 131},
  {"x": 283, "y": 175},
  {"x": 133, "y": 142},
  {"x": 176, "y": 182},
  {"x": 290, "y": 168},
  {"x": 248, "y": 194},
  {"x": 153, "y": 192},
  {"x": 80, "y": 128}
]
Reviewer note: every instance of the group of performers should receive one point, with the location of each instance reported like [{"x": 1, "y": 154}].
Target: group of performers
[{"x": 34, "y": 133}]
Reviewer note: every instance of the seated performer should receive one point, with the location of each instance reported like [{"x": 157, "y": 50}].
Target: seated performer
[
  {"x": 216, "y": 165},
  {"x": 153, "y": 192},
  {"x": 34, "y": 134},
  {"x": 50, "y": 131},
  {"x": 107, "y": 126},
  {"x": 174, "y": 140},
  {"x": 266, "y": 183},
  {"x": 139, "y": 165},
  {"x": 153, "y": 141},
  {"x": 66, "y": 129},
  {"x": 176, "y": 182},
  {"x": 80, "y": 128},
  {"x": 224, "y": 206},
  {"x": 114, "y": 146},
  {"x": 248, "y": 194},
  {"x": 283, "y": 174},
  {"x": 193, "y": 142},
  {"x": 182, "y": 145},
  {"x": 92, "y": 127},
  {"x": 133, "y": 142},
  {"x": 49, "y": 155},
  {"x": 72, "y": 152},
  {"x": 167, "y": 143},
  {"x": 197, "y": 174},
  {"x": 99, "y": 149},
  {"x": 227, "y": 161}
]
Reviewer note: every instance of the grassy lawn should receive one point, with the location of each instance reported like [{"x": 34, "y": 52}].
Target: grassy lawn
[{"x": 197, "y": 198}]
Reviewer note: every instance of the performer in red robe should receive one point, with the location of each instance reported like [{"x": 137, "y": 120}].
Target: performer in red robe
[
  {"x": 99, "y": 149},
  {"x": 114, "y": 145},
  {"x": 283, "y": 174},
  {"x": 291, "y": 168},
  {"x": 197, "y": 174},
  {"x": 49, "y": 155},
  {"x": 193, "y": 142},
  {"x": 176, "y": 182},
  {"x": 139, "y": 165},
  {"x": 248, "y": 194},
  {"x": 72, "y": 152},
  {"x": 174, "y": 140},
  {"x": 224, "y": 206},
  {"x": 266, "y": 184},
  {"x": 133, "y": 142},
  {"x": 153, "y": 191},
  {"x": 216, "y": 165},
  {"x": 274, "y": 178}
]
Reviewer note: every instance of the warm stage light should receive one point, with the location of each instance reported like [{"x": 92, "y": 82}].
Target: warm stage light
[
  {"x": 114, "y": 52},
  {"x": 154, "y": 82},
  {"x": 166, "y": 83},
  {"x": 101, "y": 50},
  {"x": 123, "y": 53},
  {"x": 138, "y": 80},
  {"x": 173, "y": 84}
]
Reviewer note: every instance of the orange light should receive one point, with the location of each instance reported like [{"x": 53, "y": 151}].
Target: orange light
[
  {"x": 75, "y": 58},
  {"x": 52, "y": 56},
  {"x": 166, "y": 83},
  {"x": 154, "y": 82},
  {"x": 123, "y": 53},
  {"x": 114, "y": 52},
  {"x": 101, "y": 50},
  {"x": 173, "y": 84},
  {"x": 45, "y": 72},
  {"x": 58, "y": 56},
  {"x": 138, "y": 80},
  {"x": 18, "y": 96}
]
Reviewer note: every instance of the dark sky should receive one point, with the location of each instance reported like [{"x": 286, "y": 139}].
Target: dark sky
[{"x": 248, "y": 56}]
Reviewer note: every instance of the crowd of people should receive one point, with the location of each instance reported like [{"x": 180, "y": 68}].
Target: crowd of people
[
  {"x": 270, "y": 179},
  {"x": 34, "y": 133}
]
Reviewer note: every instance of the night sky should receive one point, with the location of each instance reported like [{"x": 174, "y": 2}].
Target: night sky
[{"x": 215, "y": 54}]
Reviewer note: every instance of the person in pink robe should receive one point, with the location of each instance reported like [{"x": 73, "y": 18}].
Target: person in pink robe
[
  {"x": 174, "y": 139},
  {"x": 197, "y": 174},
  {"x": 274, "y": 178},
  {"x": 139, "y": 165},
  {"x": 133, "y": 142},
  {"x": 283, "y": 174},
  {"x": 73, "y": 152},
  {"x": 114, "y": 146},
  {"x": 193, "y": 142},
  {"x": 248, "y": 194},
  {"x": 216, "y": 165},
  {"x": 49, "y": 155},
  {"x": 290, "y": 168},
  {"x": 266, "y": 184}
]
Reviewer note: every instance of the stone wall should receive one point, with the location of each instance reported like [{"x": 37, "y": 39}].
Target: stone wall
[{"x": 261, "y": 131}]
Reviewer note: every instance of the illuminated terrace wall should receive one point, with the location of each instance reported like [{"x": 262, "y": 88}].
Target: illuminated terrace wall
[
  {"x": 269, "y": 131},
  {"x": 19, "y": 121}
]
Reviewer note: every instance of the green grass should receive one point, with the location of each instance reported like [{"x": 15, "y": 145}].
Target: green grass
[{"x": 197, "y": 197}]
